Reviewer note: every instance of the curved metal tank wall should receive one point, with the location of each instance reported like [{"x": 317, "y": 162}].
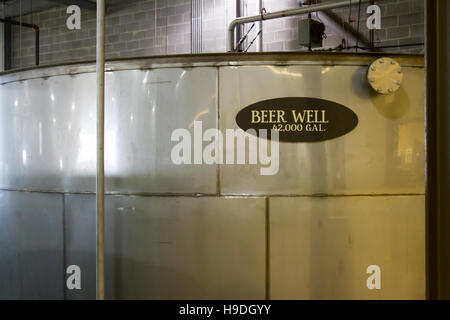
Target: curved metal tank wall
[{"x": 211, "y": 231}]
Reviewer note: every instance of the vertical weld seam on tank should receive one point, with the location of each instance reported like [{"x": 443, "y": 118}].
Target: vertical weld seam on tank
[{"x": 63, "y": 236}]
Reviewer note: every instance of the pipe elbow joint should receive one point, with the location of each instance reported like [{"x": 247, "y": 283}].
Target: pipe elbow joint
[{"x": 232, "y": 25}]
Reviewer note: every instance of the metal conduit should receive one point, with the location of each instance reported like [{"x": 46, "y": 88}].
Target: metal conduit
[
  {"x": 261, "y": 42},
  {"x": 282, "y": 14},
  {"x": 100, "y": 185}
]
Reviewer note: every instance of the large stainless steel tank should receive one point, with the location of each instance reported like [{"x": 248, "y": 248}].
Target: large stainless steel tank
[{"x": 211, "y": 231}]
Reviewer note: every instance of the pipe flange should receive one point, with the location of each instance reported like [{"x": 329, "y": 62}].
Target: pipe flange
[{"x": 385, "y": 76}]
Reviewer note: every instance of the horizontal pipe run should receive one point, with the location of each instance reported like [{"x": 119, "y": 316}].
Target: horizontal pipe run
[
  {"x": 22, "y": 24},
  {"x": 281, "y": 14}
]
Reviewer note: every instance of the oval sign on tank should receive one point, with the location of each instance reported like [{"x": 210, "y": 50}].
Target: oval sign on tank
[{"x": 298, "y": 119}]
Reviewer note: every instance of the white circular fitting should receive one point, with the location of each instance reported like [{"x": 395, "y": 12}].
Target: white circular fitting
[{"x": 385, "y": 75}]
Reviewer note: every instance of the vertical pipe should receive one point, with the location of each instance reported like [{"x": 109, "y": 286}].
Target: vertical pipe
[
  {"x": 196, "y": 26},
  {"x": 196, "y": 23},
  {"x": 7, "y": 34},
  {"x": 2, "y": 40},
  {"x": 239, "y": 28},
  {"x": 37, "y": 46},
  {"x": 100, "y": 192},
  {"x": 261, "y": 41},
  {"x": 192, "y": 26},
  {"x": 2, "y": 50},
  {"x": 20, "y": 34}
]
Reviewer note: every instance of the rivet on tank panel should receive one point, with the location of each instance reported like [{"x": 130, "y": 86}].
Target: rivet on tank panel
[{"x": 385, "y": 76}]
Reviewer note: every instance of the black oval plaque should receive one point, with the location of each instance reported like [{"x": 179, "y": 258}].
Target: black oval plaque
[{"x": 298, "y": 119}]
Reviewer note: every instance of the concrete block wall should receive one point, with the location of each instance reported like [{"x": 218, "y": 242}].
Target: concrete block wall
[
  {"x": 156, "y": 27},
  {"x": 216, "y": 16},
  {"x": 133, "y": 28},
  {"x": 402, "y": 22}
]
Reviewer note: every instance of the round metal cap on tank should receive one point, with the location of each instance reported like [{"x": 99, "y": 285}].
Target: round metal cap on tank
[{"x": 385, "y": 75}]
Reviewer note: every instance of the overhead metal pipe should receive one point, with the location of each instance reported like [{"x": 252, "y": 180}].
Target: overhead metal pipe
[
  {"x": 281, "y": 14},
  {"x": 100, "y": 188}
]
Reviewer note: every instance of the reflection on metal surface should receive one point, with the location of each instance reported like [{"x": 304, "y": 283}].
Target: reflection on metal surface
[
  {"x": 79, "y": 242},
  {"x": 321, "y": 247},
  {"x": 338, "y": 166},
  {"x": 284, "y": 72},
  {"x": 56, "y": 141},
  {"x": 203, "y": 236},
  {"x": 39, "y": 131},
  {"x": 171, "y": 247},
  {"x": 63, "y": 122},
  {"x": 31, "y": 246}
]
